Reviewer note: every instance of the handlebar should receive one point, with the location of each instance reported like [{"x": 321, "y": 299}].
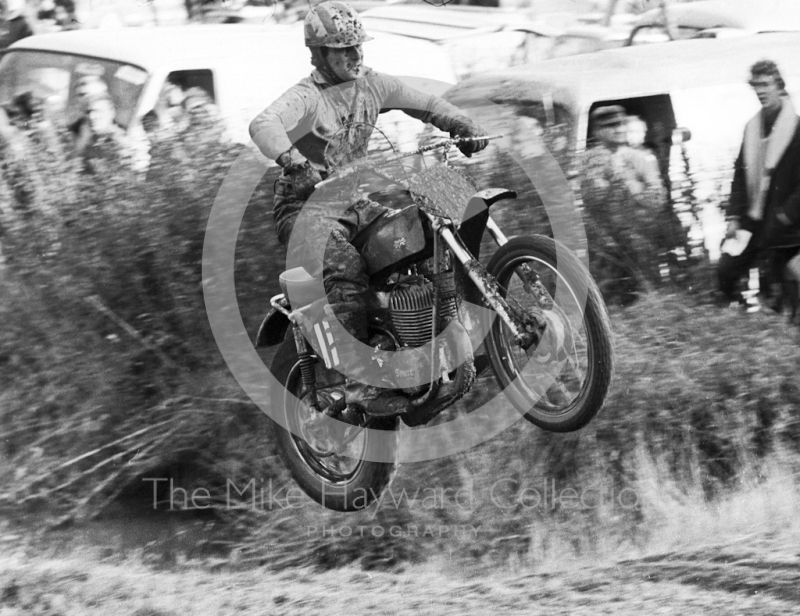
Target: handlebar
[
  {"x": 444, "y": 143},
  {"x": 452, "y": 141}
]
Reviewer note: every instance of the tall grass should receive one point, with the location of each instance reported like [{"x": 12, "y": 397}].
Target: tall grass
[
  {"x": 109, "y": 375},
  {"x": 108, "y": 365}
]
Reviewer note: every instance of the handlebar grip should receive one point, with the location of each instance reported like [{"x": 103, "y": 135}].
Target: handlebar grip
[{"x": 485, "y": 138}]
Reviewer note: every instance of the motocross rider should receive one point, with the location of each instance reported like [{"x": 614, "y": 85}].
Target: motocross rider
[{"x": 332, "y": 112}]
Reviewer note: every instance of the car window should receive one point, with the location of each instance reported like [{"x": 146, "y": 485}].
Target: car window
[
  {"x": 533, "y": 128},
  {"x": 200, "y": 78},
  {"x": 545, "y": 114},
  {"x": 658, "y": 34},
  {"x": 651, "y": 125},
  {"x": 571, "y": 46},
  {"x": 649, "y": 34},
  {"x": 53, "y": 77}
]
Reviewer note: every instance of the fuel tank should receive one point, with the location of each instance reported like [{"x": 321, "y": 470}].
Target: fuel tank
[{"x": 394, "y": 240}]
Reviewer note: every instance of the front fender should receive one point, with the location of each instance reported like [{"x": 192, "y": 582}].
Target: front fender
[
  {"x": 473, "y": 221},
  {"x": 273, "y": 329}
]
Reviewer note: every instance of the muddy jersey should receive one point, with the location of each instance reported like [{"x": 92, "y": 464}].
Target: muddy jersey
[{"x": 317, "y": 117}]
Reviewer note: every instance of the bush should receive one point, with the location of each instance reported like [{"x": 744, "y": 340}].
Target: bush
[
  {"x": 635, "y": 244},
  {"x": 109, "y": 368},
  {"x": 109, "y": 374}
]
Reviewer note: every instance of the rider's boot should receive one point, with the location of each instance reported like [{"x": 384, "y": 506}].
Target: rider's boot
[{"x": 369, "y": 398}]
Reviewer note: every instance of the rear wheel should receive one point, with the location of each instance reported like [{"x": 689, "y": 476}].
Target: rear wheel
[
  {"x": 561, "y": 383},
  {"x": 347, "y": 480}
]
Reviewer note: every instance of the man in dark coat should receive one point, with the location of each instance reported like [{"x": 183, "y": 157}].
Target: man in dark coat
[{"x": 765, "y": 194}]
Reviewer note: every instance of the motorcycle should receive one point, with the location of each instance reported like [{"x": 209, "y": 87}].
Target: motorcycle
[{"x": 547, "y": 335}]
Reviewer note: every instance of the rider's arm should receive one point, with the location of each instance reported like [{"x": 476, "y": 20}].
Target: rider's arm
[
  {"x": 269, "y": 129},
  {"x": 426, "y": 107}
]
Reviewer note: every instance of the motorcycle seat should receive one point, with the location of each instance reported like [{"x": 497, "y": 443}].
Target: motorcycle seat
[{"x": 301, "y": 287}]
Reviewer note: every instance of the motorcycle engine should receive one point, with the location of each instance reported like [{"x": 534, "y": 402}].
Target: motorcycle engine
[
  {"x": 411, "y": 306},
  {"x": 411, "y": 309}
]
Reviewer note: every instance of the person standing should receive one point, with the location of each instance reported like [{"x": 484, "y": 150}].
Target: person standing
[
  {"x": 13, "y": 24},
  {"x": 765, "y": 193},
  {"x": 610, "y": 150},
  {"x": 626, "y": 203}
]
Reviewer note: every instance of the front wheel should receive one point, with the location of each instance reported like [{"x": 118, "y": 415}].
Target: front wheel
[
  {"x": 346, "y": 481},
  {"x": 561, "y": 383}
]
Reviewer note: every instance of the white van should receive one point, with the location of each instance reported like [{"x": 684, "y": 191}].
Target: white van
[
  {"x": 700, "y": 85},
  {"x": 242, "y": 67}
]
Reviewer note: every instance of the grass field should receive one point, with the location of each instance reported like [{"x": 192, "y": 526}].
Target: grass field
[
  {"x": 109, "y": 375},
  {"x": 756, "y": 576}
]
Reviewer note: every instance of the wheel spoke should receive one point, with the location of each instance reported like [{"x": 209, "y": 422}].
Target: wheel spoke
[
  {"x": 554, "y": 371},
  {"x": 316, "y": 443}
]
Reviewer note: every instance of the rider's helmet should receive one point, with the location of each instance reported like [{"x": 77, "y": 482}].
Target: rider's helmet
[{"x": 334, "y": 24}]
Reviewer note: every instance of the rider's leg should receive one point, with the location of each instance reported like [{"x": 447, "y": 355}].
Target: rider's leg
[{"x": 346, "y": 280}]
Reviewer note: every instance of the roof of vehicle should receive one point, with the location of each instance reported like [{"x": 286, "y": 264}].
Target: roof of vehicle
[
  {"x": 596, "y": 32},
  {"x": 199, "y": 46},
  {"x": 578, "y": 81},
  {"x": 753, "y": 15},
  {"x": 436, "y": 23},
  {"x": 151, "y": 47}
]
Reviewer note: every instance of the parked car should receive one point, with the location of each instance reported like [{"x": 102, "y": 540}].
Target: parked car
[
  {"x": 700, "y": 19},
  {"x": 14, "y": 22},
  {"x": 476, "y": 38},
  {"x": 243, "y": 68},
  {"x": 588, "y": 38},
  {"x": 120, "y": 13},
  {"x": 694, "y": 86},
  {"x": 435, "y": 23},
  {"x": 716, "y": 19}
]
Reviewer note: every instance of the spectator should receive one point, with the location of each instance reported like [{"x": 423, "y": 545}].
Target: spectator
[
  {"x": 631, "y": 225},
  {"x": 22, "y": 126},
  {"x": 13, "y": 23},
  {"x": 58, "y": 13},
  {"x": 184, "y": 125},
  {"x": 765, "y": 193},
  {"x": 31, "y": 153},
  {"x": 201, "y": 112},
  {"x": 637, "y": 167},
  {"x": 98, "y": 138},
  {"x": 13, "y": 171}
]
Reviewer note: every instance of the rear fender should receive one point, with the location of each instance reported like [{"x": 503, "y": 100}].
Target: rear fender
[{"x": 273, "y": 329}]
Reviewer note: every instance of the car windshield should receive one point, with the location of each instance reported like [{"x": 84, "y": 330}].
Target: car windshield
[
  {"x": 53, "y": 78},
  {"x": 658, "y": 34}
]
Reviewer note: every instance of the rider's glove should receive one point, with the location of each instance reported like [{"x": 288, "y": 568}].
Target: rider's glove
[
  {"x": 303, "y": 176},
  {"x": 467, "y": 128},
  {"x": 304, "y": 180}
]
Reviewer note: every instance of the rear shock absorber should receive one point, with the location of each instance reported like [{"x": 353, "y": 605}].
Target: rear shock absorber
[{"x": 307, "y": 362}]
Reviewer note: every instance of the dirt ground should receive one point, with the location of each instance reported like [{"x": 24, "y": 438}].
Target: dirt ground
[{"x": 755, "y": 575}]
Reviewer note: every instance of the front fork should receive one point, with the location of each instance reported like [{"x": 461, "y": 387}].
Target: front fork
[
  {"x": 530, "y": 279},
  {"x": 305, "y": 354},
  {"x": 527, "y": 331}
]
